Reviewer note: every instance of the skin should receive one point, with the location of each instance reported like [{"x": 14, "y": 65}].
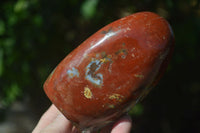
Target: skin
[{"x": 53, "y": 121}]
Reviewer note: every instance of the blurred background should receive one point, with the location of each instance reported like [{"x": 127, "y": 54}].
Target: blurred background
[{"x": 35, "y": 35}]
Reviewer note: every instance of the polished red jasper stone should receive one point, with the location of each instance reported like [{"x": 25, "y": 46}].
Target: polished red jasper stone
[{"x": 110, "y": 71}]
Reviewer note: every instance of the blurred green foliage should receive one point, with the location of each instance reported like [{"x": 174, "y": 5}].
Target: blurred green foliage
[
  {"x": 137, "y": 110},
  {"x": 19, "y": 27},
  {"x": 88, "y": 8},
  {"x": 36, "y": 35}
]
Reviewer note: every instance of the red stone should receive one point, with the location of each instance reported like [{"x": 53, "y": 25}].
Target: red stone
[{"x": 110, "y": 71}]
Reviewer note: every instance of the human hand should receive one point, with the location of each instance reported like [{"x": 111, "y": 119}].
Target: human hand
[{"x": 53, "y": 121}]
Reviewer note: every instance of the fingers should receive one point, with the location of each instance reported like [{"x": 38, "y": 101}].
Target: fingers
[
  {"x": 59, "y": 125},
  {"x": 123, "y": 125},
  {"x": 47, "y": 118},
  {"x": 52, "y": 122}
]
